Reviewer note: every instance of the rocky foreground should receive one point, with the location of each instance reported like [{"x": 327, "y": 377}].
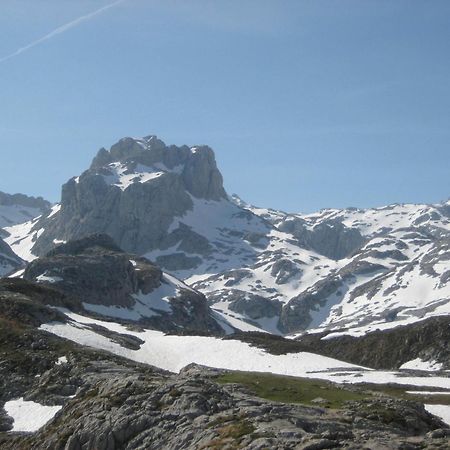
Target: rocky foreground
[{"x": 112, "y": 403}]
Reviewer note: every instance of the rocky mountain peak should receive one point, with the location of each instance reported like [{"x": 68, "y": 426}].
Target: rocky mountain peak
[
  {"x": 133, "y": 192},
  {"x": 196, "y": 166}
]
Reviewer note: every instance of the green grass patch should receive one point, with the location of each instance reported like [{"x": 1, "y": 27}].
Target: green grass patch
[
  {"x": 286, "y": 389},
  {"x": 400, "y": 391},
  {"x": 293, "y": 390}
]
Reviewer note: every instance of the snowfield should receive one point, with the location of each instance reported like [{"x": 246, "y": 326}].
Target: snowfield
[
  {"x": 21, "y": 239},
  {"x": 371, "y": 221},
  {"x": 172, "y": 353}
]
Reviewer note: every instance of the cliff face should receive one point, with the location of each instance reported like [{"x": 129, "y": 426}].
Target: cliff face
[{"x": 133, "y": 192}]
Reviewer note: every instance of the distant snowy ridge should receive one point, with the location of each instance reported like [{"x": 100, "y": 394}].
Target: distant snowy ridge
[{"x": 19, "y": 208}]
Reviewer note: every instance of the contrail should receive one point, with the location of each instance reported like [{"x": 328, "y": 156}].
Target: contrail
[{"x": 60, "y": 30}]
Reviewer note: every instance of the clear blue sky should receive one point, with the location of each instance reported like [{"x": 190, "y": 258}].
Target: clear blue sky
[{"x": 308, "y": 104}]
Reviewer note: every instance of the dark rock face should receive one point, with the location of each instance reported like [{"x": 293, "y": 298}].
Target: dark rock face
[
  {"x": 29, "y": 303},
  {"x": 188, "y": 241},
  {"x": 250, "y": 305},
  {"x": 133, "y": 192},
  {"x": 9, "y": 261},
  {"x": 283, "y": 270},
  {"x": 92, "y": 244},
  {"x": 297, "y": 315},
  {"x": 428, "y": 340},
  {"x": 254, "y": 306},
  {"x": 329, "y": 238},
  {"x": 95, "y": 270},
  {"x": 178, "y": 261},
  {"x": 110, "y": 282}
]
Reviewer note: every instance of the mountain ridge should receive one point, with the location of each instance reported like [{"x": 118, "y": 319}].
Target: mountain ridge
[{"x": 261, "y": 269}]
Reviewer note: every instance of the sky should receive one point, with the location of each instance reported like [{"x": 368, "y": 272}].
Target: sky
[{"x": 307, "y": 104}]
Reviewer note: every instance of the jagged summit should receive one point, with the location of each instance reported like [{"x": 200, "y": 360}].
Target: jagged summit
[
  {"x": 133, "y": 192},
  {"x": 139, "y": 160}
]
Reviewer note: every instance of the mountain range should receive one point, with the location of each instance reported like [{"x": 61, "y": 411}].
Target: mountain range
[
  {"x": 146, "y": 258},
  {"x": 260, "y": 268}
]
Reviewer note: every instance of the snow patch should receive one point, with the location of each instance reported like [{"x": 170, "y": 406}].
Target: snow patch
[
  {"x": 61, "y": 360},
  {"x": 441, "y": 411},
  {"x": 55, "y": 209},
  {"x": 48, "y": 279},
  {"x": 420, "y": 364},
  {"x": 29, "y": 416},
  {"x": 428, "y": 392},
  {"x": 21, "y": 239}
]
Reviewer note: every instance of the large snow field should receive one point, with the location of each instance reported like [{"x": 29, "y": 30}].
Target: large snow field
[{"x": 172, "y": 353}]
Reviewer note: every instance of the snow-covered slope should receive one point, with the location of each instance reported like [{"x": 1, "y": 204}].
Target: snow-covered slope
[
  {"x": 398, "y": 273},
  {"x": 415, "y": 288},
  {"x": 21, "y": 238},
  {"x": 175, "y": 352},
  {"x": 378, "y": 221}
]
